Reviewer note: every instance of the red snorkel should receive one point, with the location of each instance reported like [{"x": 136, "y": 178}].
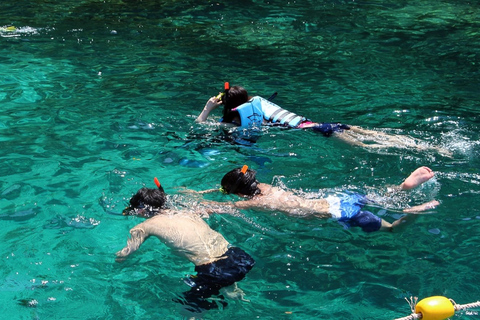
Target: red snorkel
[
  {"x": 222, "y": 94},
  {"x": 157, "y": 183},
  {"x": 226, "y": 86}
]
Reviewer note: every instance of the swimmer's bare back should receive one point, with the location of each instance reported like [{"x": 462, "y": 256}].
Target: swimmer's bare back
[
  {"x": 276, "y": 199},
  {"x": 185, "y": 233}
]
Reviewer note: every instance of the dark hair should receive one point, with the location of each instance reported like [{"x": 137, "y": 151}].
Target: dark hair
[
  {"x": 238, "y": 183},
  {"x": 147, "y": 202},
  {"x": 232, "y": 98}
]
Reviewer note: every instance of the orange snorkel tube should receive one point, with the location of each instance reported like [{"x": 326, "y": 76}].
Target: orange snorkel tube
[
  {"x": 244, "y": 169},
  {"x": 222, "y": 94},
  {"x": 157, "y": 182}
]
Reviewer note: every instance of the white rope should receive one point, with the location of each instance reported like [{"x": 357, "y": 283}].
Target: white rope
[
  {"x": 457, "y": 307},
  {"x": 465, "y": 306},
  {"x": 413, "y": 316}
]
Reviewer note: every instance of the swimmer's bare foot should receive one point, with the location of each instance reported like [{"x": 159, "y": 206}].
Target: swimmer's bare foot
[
  {"x": 423, "y": 207},
  {"x": 417, "y": 177}
]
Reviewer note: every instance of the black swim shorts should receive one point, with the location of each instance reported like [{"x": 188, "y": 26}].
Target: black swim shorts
[
  {"x": 327, "y": 129},
  {"x": 232, "y": 267}
]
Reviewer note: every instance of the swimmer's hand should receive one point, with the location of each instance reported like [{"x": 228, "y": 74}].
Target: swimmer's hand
[
  {"x": 138, "y": 236},
  {"x": 211, "y": 105},
  {"x": 121, "y": 255}
]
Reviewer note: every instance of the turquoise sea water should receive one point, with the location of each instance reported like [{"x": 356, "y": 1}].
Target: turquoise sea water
[{"x": 99, "y": 97}]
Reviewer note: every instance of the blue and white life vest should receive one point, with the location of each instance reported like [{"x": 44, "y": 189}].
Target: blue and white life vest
[
  {"x": 251, "y": 113},
  {"x": 258, "y": 109}
]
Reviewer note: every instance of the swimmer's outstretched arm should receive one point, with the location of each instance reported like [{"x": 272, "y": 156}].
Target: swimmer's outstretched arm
[
  {"x": 211, "y": 105},
  {"x": 207, "y": 191},
  {"x": 245, "y": 204},
  {"x": 213, "y": 207},
  {"x": 138, "y": 236},
  {"x": 198, "y": 192}
]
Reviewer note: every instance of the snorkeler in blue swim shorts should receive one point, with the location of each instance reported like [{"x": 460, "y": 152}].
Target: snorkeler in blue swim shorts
[
  {"x": 345, "y": 207},
  {"x": 217, "y": 263}
]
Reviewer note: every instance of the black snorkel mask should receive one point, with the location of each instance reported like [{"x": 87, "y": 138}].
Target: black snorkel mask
[
  {"x": 142, "y": 209},
  {"x": 145, "y": 211}
]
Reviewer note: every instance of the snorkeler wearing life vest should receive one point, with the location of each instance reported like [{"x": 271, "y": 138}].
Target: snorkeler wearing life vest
[
  {"x": 346, "y": 207},
  {"x": 247, "y": 112},
  {"x": 217, "y": 263},
  {"x": 241, "y": 110}
]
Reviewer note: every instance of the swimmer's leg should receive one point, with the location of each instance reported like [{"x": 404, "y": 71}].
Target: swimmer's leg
[
  {"x": 200, "y": 299},
  {"x": 353, "y": 139},
  {"x": 365, "y": 132},
  {"x": 234, "y": 292},
  {"x": 406, "y": 220},
  {"x": 384, "y": 140},
  {"x": 416, "y": 178},
  {"x": 376, "y": 139},
  {"x": 397, "y": 225},
  {"x": 423, "y": 207}
]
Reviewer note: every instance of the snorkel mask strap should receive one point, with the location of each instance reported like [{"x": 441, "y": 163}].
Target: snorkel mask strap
[{"x": 272, "y": 96}]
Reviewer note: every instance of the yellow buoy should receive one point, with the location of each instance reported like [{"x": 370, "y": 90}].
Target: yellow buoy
[{"x": 435, "y": 308}]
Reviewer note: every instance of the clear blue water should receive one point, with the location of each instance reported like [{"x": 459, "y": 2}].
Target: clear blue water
[{"x": 98, "y": 97}]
